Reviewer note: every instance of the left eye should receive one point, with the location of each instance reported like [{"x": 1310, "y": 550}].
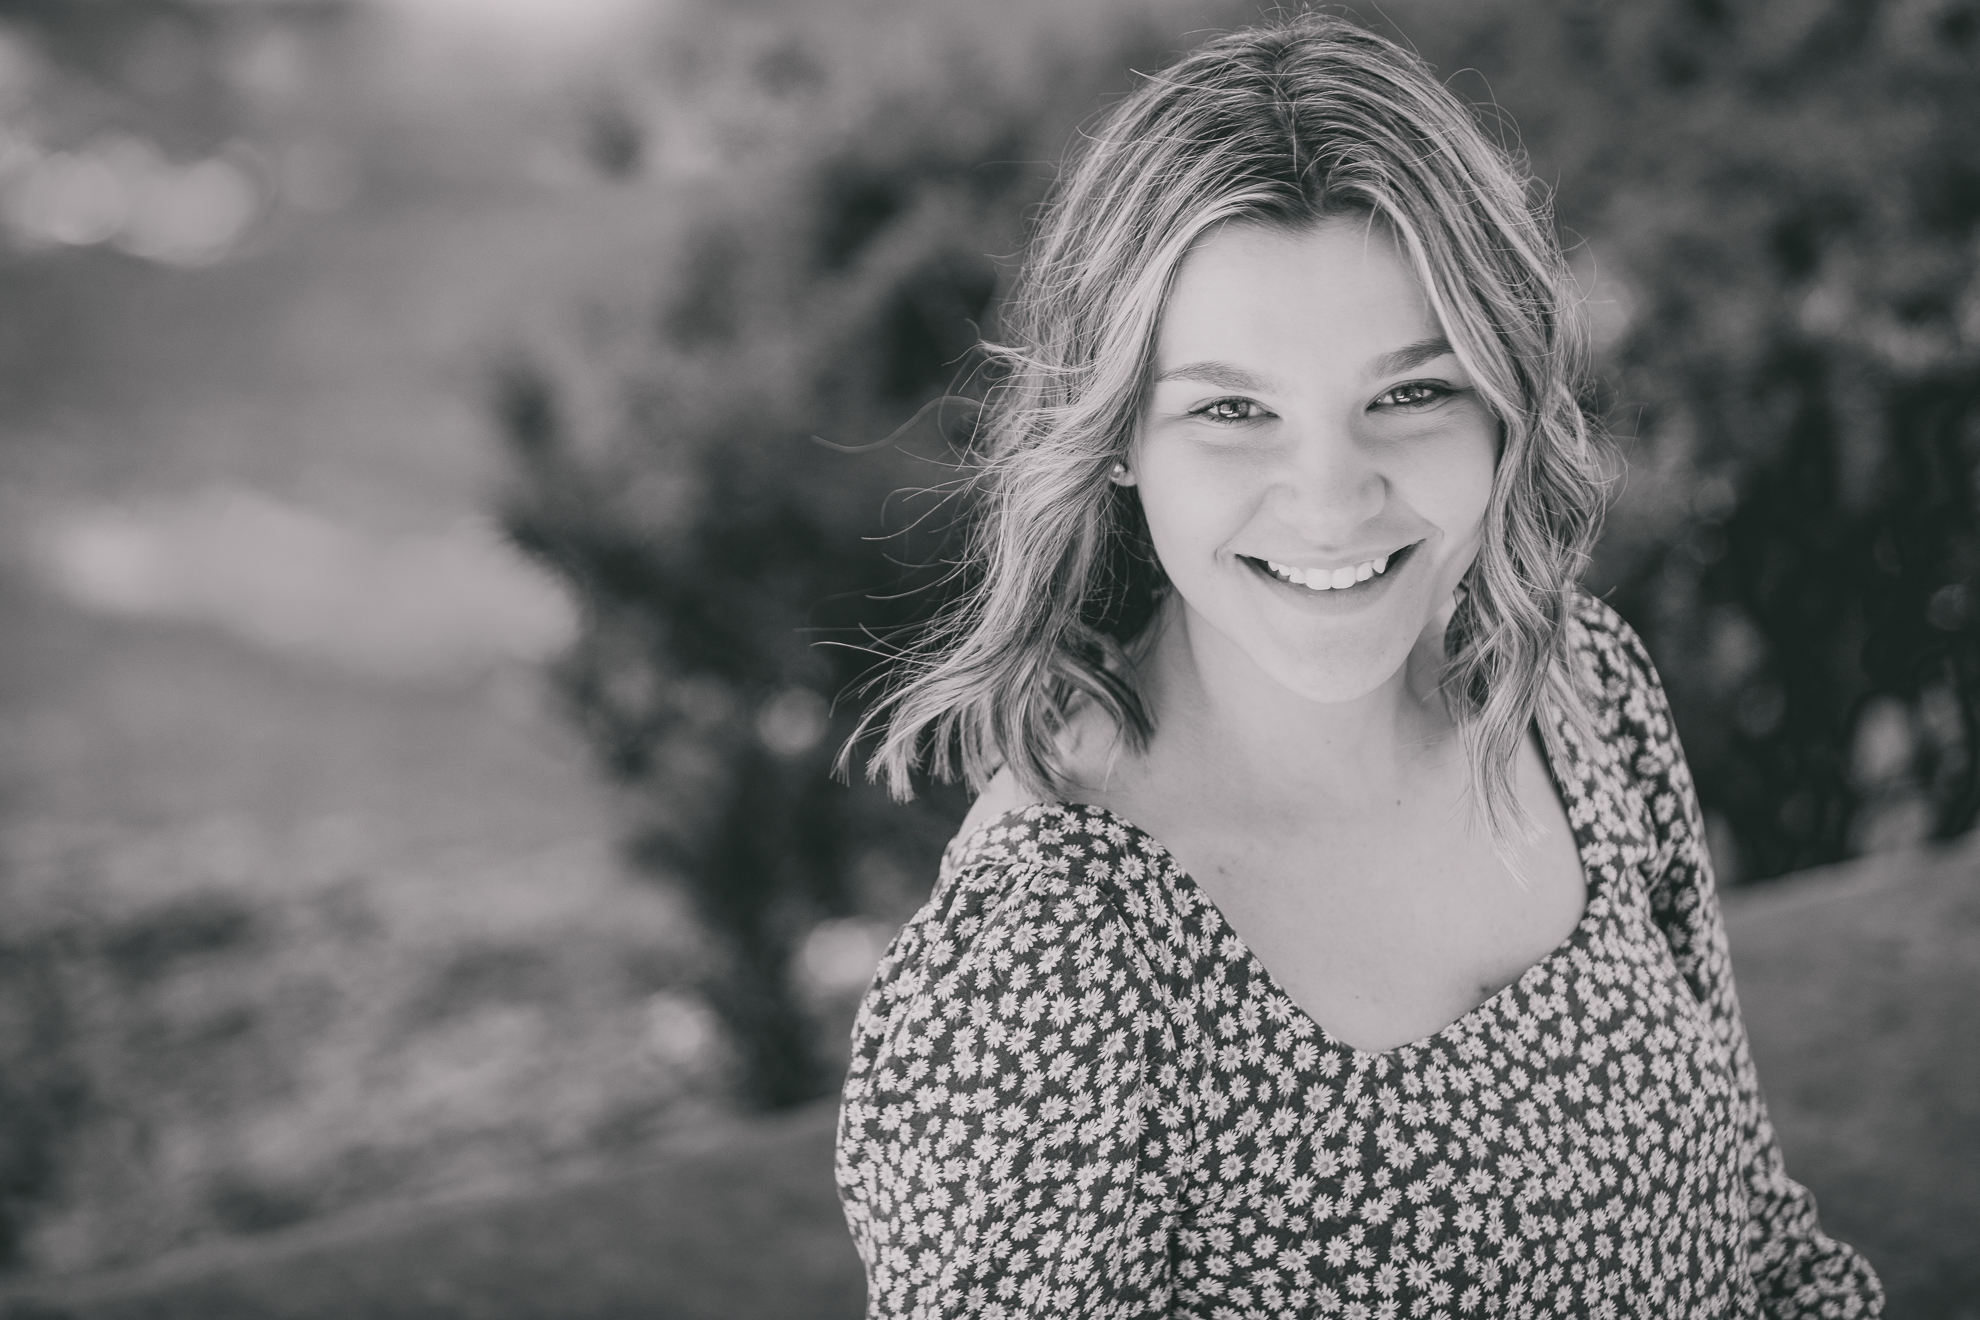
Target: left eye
[{"x": 1412, "y": 396}]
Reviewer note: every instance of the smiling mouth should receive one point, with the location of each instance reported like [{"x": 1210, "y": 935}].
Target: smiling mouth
[{"x": 1354, "y": 578}]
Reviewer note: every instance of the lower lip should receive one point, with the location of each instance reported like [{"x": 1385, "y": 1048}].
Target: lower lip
[{"x": 1339, "y": 600}]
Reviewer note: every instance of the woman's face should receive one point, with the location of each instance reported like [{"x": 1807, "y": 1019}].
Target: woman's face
[{"x": 1314, "y": 463}]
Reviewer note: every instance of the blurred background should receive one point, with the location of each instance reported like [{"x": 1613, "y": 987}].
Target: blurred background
[{"x": 430, "y": 613}]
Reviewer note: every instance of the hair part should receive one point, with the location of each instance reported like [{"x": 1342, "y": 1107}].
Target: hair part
[{"x": 1287, "y": 125}]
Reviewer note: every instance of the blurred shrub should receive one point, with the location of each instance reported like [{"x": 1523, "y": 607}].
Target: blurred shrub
[
  {"x": 211, "y": 1031},
  {"x": 1781, "y": 207},
  {"x": 43, "y": 1091},
  {"x": 827, "y": 280}
]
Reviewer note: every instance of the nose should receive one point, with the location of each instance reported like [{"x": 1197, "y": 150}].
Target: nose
[{"x": 1327, "y": 486}]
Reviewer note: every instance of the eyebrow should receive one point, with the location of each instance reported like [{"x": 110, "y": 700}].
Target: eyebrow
[
  {"x": 1226, "y": 376},
  {"x": 1412, "y": 355},
  {"x": 1221, "y": 374}
]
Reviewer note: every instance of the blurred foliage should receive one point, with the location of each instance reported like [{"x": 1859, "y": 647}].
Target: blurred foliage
[
  {"x": 209, "y": 1033},
  {"x": 1774, "y": 205},
  {"x": 733, "y": 562},
  {"x": 42, "y": 1086},
  {"x": 167, "y": 69},
  {"x": 1781, "y": 203}
]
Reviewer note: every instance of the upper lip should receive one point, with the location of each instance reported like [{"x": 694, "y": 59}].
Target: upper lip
[{"x": 1332, "y": 562}]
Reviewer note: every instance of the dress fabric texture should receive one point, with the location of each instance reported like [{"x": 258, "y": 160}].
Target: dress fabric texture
[{"x": 1075, "y": 1092}]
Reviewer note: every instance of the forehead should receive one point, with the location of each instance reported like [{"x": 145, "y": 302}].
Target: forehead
[{"x": 1341, "y": 289}]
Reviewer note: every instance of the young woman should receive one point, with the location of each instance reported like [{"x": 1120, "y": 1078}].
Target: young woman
[{"x": 1333, "y": 934}]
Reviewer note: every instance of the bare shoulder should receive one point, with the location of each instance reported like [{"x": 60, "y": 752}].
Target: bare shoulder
[
  {"x": 1089, "y": 751},
  {"x": 1002, "y": 795}
]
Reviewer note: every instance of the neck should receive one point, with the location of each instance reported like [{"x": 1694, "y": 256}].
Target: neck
[{"x": 1228, "y": 726}]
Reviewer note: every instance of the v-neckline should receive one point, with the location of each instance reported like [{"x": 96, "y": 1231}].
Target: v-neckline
[{"x": 1595, "y": 908}]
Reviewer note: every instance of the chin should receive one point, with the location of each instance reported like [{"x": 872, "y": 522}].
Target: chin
[{"x": 1342, "y": 676}]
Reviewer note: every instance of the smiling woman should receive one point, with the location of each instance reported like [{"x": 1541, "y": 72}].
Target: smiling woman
[{"x": 1333, "y": 932}]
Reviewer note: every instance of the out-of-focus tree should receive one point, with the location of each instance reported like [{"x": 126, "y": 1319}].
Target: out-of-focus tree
[
  {"x": 851, "y": 182},
  {"x": 1782, "y": 206}
]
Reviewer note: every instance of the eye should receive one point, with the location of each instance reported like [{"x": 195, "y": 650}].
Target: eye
[
  {"x": 1413, "y": 395},
  {"x": 1229, "y": 410}
]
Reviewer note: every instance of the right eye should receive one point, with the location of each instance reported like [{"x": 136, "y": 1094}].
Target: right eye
[{"x": 1228, "y": 410}]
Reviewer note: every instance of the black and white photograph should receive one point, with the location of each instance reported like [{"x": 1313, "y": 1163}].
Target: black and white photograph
[{"x": 1054, "y": 660}]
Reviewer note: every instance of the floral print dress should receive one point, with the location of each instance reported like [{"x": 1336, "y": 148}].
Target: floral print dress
[{"x": 1075, "y": 1092}]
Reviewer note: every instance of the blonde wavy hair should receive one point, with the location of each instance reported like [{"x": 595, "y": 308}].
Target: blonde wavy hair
[{"x": 1287, "y": 124}]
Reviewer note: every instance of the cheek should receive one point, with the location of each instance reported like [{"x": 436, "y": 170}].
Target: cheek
[
  {"x": 1470, "y": 498},
  {"x": 1193, "y": 506},
  {"x": 1454, "y": 488}
]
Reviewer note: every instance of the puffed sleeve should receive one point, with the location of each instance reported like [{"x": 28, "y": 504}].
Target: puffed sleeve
[
  {"x": 1798, "y": 1270},
  {"x": 999, "y": 1149}
]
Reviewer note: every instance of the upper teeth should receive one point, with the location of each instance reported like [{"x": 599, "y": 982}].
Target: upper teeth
[{"x": 1330, "y": 579}]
